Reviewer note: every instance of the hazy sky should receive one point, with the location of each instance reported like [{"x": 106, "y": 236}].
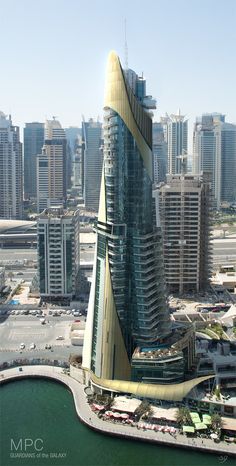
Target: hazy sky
[{"x": 53, "y": 55}]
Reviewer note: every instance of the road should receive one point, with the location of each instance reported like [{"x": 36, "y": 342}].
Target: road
[
  {"x": 224, "y": 247},
  {"x": 17, "y": 254},
  {"x": 221, "y": 247},
  {"x": 14, "y": 254}
]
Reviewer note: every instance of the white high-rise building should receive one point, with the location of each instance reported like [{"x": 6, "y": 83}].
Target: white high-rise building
[
  {"x": 11, "y": 170},
  {"x": 177, "y": 136},
  {"x": 58, "y": 253},
  {"x": 214, "y": 150},
  {"x": 55, "y": 150}
]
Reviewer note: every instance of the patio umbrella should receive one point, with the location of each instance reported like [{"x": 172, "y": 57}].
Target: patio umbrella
[
  {"x": 116, "y": 415},
  {"x": 98, "y": 407},
  {"x": 200, "y": 426},
  {"x": 206, "y": 419},
  {"x": 124, "y": 416},
  {"x": 188, "y": 429},
  {"x": 109, "y": 413}
]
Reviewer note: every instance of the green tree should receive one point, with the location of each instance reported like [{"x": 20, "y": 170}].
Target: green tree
[
  {"x": 216, "y": 422},
  {"x": 10, "y": 275},
  {"x": 217, "y": 393},
  {"x": 143, "y": 408},
  {"x": 183, "y": 416}
]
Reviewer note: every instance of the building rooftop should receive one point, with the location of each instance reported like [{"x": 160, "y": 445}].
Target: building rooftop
[
  {"x": 57, "y": 212},
  {"x": 149, "y": 353},
  {"x": 122, "y": 403},
  {"x": 14, "y": 226}
]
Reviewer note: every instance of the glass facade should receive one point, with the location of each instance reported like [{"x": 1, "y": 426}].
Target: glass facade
[
  {"x": 93, "y": 160},
  {"x": 129, "y": 235},
  {"x": 33, "y": 143},
  {"x": 160, "y": 370}
]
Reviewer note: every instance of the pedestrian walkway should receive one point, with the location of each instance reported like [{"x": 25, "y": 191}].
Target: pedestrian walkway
[{"x": 88, "y": 417}]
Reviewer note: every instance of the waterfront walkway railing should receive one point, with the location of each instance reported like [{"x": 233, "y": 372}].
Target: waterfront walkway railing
[{"x": 34, "y": 362}]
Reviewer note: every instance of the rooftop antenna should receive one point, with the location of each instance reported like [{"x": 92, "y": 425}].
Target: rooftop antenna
[{"x": 126, "y": 50}]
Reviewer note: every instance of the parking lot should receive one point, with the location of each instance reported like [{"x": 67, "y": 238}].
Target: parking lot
[{"x": 17, "y": 331}]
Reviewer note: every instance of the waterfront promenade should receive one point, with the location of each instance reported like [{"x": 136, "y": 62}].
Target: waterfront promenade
[{"x": 88, "y": 417}]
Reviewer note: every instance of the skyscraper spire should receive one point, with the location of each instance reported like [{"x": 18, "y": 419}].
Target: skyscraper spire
[{"x": 126, "y": 49}]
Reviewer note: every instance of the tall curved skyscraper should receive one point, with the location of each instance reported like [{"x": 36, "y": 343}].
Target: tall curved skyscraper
[{"x": 127, "y": 306}]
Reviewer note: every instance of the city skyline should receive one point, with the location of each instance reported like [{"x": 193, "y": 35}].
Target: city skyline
[
  {"x": 189, "y": 80},
  {"x": 118, "y": 232}
]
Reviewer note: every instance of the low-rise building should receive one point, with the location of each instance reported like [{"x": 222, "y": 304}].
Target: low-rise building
[{"x": 169, "y": 361}]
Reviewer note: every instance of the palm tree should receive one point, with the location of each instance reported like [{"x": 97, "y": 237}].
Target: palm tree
[
  {"x": 183, "y": 416},
  {"x": 143, "y": 408},
  {"x": 10, "y": 275},
  {"x": 216, "y": 421}
]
